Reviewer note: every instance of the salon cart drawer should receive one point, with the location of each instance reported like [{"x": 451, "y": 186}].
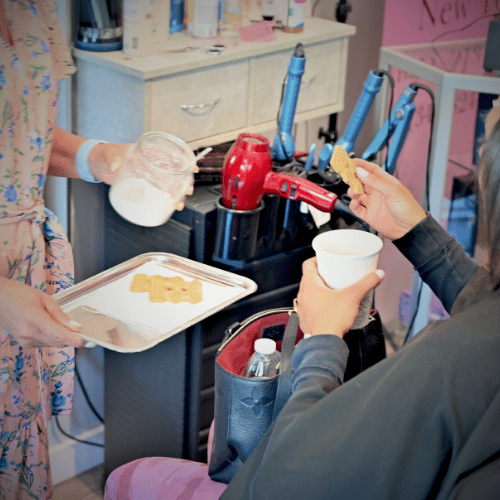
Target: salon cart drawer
[
  {"x": 201, "y": 103},
  {"x": 322, "y": 83},
  {"x": 208, "y": 99}
]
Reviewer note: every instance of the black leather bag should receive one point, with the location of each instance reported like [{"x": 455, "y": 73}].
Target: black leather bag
[{"x": 246, "y": 407}]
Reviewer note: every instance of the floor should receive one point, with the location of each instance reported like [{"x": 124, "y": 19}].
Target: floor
[{"x": 86, "y": 486}]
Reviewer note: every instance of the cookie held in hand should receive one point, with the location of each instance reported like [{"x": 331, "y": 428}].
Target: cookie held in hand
[{"x": 346, "y": 168}]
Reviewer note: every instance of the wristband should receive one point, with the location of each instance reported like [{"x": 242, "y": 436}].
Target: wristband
[{"x": 82, "y": 160}]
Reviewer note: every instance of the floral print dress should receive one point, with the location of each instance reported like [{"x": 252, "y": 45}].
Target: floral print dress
[{"x": 35, "y": 383}]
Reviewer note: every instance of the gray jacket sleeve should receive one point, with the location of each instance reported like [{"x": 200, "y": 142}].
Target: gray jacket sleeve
[
  {"x": 319, "y": 363},
  {"x": 438, "y": 258},
  {"x": 322, "y": 356}
]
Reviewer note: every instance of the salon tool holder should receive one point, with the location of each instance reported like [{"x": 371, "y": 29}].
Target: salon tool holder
[
  {"x": 247, "y": 176},
  {"x": 236, "y": 234}
]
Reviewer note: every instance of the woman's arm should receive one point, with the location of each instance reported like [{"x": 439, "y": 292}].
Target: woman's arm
[
  {"x": 62, "y": 157},
  {"x": 103, "y": 159}
]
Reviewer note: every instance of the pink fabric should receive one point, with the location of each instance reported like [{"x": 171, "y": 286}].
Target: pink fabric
[
  {"x": 160, "y": 478},
  {"x": 210, "y": 441}
]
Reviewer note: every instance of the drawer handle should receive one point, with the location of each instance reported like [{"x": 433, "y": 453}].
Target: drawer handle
[
  {"x": 305, "y": 84},
  {"x": 199, "y": 109}
]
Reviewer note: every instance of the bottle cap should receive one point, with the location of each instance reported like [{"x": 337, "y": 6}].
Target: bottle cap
[{"x": 265, "y": 346}]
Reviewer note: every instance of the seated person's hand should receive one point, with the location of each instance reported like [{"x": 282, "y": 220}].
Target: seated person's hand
[
  {"x": 387, "y": 205},
  {"x": 322, "y": 310},
  {"x": 34, "y": 319}
]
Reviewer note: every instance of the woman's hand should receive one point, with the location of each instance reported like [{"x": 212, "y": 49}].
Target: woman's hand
[
  {"x": 34, "y": 318},
  {"x": 322, "y": 310},
  {"x": 106, "y": 159},
  {"x": 386, "y": 204},
  {"x": 189, "y": 192}
]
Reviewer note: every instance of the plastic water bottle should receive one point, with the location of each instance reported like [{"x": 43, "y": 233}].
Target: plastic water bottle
[{"x": 264, "y": 362}]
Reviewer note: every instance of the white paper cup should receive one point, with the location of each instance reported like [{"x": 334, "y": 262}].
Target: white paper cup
[{"x": 344, "y": 257}]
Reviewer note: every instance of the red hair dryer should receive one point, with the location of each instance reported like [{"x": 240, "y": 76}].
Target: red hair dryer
[{"x": 247, "y": 175}]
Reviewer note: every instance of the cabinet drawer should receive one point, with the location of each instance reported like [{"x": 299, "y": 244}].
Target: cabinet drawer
[
  {"x": 322, "y": 82},
  {"x": 202, "y": 103}
]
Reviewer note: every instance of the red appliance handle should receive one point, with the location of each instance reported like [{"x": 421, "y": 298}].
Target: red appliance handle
[{"x": 296, "y": 188}]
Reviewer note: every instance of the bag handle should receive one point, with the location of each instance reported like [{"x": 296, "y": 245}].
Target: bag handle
[{"x": 284, "y": 388}]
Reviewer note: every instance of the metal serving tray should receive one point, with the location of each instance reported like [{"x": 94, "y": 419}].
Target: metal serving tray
[{"x": 116, "y": 318}]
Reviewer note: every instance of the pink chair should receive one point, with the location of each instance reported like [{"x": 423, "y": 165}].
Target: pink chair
[{"x": 163, "y": 478}]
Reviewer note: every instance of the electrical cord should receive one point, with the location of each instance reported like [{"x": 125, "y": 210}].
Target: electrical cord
[
  {"x": 389, "y": 77},
  {"x": 426, "y": 203},
  {"x": 91, "y": 406},
  {"x": 316, "y": 3},
  {"x": 62, "y": 431},
  {"x": 86, "y": 396},
  {"x": 416, "y": 86}
]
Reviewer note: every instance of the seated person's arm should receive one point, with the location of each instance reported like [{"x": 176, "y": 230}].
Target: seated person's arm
[
  {"x": 439, "y": 259},
  {"x": 389, "y": 207},
  {"x": 319, "y": 362}
]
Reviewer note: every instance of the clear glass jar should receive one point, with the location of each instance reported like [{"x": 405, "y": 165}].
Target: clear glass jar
[{"x": 155, "y": 176}]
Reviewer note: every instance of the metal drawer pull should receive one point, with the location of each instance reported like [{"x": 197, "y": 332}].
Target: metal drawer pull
[
  {"x": 192, "y": 107},
  {"x": 305, "y": 84}
]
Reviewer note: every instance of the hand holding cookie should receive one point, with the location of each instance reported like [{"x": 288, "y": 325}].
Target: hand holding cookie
[{"x": 386, "y": 204}]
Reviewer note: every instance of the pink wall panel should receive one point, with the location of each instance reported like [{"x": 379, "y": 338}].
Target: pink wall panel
[
  {"x": 421, "y": 21},
  {"x": 409, "y": 22}
]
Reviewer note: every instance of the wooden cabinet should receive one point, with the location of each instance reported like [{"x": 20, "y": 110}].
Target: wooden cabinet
[
  {"x": 208, "y": 98},
  {"x": 201, "y": 103},
  {"x": 322, "y": 85}
]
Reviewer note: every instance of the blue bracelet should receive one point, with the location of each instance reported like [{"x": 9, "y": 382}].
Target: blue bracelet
[{"x": 82, "y": 162}]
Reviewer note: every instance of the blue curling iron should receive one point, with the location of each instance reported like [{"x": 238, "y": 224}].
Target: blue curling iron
[
  {"x": 284, "y": 144},
  {"x": 396, "y": 126},
  {"x": 347, "y": 141},
  {"x": 371, "y": 88}
]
